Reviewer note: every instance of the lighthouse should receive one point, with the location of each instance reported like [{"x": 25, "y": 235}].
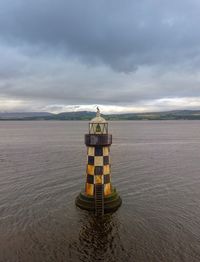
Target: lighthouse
[{"x": 99, "y": 195}]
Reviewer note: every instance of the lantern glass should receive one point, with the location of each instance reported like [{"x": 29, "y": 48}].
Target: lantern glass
[{"x": 98, "y": 128}]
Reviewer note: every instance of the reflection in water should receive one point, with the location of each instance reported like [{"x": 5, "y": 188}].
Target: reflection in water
[{"x": 99, "y": 239}]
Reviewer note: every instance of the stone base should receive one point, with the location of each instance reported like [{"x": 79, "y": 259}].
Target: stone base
[{"x": 111, "y": 202}]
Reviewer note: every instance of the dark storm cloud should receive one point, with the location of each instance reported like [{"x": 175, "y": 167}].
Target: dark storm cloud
[{"x": 123, "y": 34}]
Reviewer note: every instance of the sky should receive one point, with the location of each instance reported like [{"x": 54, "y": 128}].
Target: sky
[{"x": 122, "y": 55}]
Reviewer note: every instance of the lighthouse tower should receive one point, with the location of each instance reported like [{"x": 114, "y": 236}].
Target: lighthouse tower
[{"x": 99, "y": 194}]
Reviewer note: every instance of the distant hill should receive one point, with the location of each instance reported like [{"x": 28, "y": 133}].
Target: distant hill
[
  {"x": 167, "y": 115},
  {"x": 82, "y": 115},
  {"x": 86, "y": 115},
  {"x": 23, "y": 115}
]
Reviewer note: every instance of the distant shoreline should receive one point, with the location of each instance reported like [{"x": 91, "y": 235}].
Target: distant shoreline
[
  {"x": 86, "y": 115},
  {"x": 86, "y": 120},
  {"x": 70, "y": 120}
]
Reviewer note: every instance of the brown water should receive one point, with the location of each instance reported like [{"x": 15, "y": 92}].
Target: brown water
[{"x": 155, "y": 167}]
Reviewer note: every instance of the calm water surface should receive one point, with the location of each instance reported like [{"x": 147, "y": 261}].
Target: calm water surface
[{"x": 155, "y": 167}]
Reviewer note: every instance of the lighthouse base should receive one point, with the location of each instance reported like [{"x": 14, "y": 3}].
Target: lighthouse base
[{"x": 111, "y": 202}]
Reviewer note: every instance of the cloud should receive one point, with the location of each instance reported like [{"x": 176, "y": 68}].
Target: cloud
[
  {"x": 124, "y": 55},
  {"x": 121, "y": 34}
]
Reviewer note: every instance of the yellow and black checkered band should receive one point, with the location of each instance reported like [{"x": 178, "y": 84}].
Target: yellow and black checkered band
[
  {"x": 98, "y": 160},
  {"x": 98, "y": 150},
  {"x": 97, "y": 170},
  {"x": 98, "y": 155},
  {"x": 91, "y": 179}
]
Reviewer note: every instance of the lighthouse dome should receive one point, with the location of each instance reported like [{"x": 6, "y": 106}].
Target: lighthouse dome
[{"x": 98, "y": 118}]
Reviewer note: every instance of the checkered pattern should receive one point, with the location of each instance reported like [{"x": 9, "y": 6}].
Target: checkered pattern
[{"x": 98, "y": 169}]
